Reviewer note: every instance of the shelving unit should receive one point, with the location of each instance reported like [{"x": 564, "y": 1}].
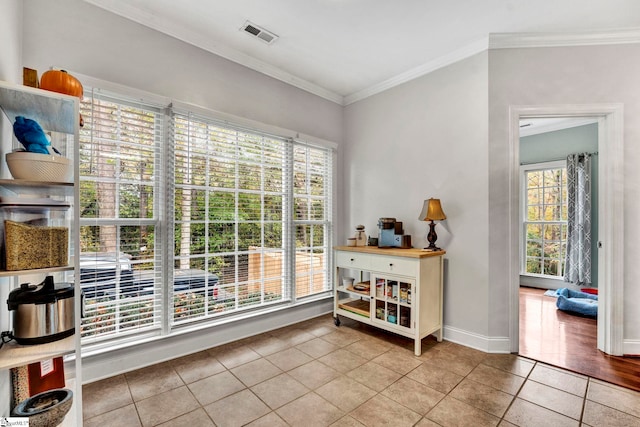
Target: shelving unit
[
  {"x": 58, "y": 114},
  {"x": 405, "y": 290}
]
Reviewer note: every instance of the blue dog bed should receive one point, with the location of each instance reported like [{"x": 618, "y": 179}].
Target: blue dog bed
[{"x": 577, "y": 302}]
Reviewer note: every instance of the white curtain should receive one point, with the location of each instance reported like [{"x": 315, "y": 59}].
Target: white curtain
[{"x": 578, "y": 257}]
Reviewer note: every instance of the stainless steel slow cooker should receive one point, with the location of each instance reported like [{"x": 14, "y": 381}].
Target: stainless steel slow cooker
[{"x": 42, "y": 313}]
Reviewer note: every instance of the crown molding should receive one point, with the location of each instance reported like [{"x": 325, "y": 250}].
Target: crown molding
[
  {"x": 492, "y": 41},
  {"x": 193, "y": 38},
  {"x": 440, "y": 62},
  {"x": 591, "y": 38},
  {"x": 503, "y": 41}
]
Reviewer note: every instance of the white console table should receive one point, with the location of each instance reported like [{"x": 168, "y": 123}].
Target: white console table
[{"x": 405, "y": 290}]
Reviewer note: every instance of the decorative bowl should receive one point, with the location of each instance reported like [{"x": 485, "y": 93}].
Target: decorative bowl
[
  {"x": 46, "y": 409},
  {"x": 40, "y": 167}
]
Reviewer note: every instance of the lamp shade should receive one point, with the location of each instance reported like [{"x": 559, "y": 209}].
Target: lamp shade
[{"x": 432, "y": 211}]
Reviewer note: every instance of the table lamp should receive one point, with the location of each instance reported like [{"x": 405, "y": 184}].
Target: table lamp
[{"x": 432, "y": 211}]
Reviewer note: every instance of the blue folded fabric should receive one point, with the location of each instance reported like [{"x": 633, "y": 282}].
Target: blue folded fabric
[
  {"x": 31, "y": 135},
  {"x": 577, "y": 302}
]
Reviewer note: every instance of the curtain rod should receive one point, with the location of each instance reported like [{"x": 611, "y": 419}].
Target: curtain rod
[{"x": 595, "y": 153}]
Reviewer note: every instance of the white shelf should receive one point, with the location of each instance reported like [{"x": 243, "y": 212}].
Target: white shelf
[
  {"x": 13, "y": 354},
  {"x": 393, "y": 301},
  {"x": 354, "y": 292},
  {"x": 11, "y": 273},
  {"x": 52, "y": 110},
  {"x": 23, "y": 186}
]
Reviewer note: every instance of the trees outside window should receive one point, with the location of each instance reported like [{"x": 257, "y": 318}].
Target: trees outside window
[
  {"x": 245, "y": 218},
  {"x": 545, "y": 219}
]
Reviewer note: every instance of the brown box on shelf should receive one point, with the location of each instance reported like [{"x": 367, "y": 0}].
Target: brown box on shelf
[
  {"x": 30, "y": 77},
  {"x": 29, "y": 247}
]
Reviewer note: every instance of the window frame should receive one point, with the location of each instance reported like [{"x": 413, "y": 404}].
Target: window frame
[
  {"x": 156, "y": 326},
  {"x": 165, "y": 230},
  {"x": 326, "y": 224},
  {"x": 524, "y": 169},
  {"x": 233, "y": 138}
]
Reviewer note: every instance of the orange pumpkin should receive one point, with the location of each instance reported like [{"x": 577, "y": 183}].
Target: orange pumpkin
[{"x": 61, "y": 82}]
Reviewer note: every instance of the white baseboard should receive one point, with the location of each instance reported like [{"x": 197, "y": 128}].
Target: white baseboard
[
  {"x": 477, "y": 341},
  {"x": 104, "y": 365},
  {"x": 99, "y": 366},
  {"x": 631, "y": 347},
  {"x": 502, "y": 344}
]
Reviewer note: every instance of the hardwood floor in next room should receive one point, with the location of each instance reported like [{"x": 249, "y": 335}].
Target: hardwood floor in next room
[{"x": 552, "y": 336}]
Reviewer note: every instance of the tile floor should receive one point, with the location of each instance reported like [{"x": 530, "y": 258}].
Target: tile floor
[{"x": 314, "y": 374}]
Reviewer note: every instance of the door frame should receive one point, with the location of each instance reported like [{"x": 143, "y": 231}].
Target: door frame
[{"x": 610, "y": 216}]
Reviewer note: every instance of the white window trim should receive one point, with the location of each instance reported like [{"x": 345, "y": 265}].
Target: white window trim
[
  {"x": 236, "y": 121},
  {"x": 166, "y": 331},
  {"x": 524, "y": 168}
]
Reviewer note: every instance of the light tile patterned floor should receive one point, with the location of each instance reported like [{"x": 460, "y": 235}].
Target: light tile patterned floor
[{"x": 314, "y": 374}]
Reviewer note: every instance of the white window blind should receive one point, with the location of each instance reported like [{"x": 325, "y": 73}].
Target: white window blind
[
  {"x": 119, "y": 216},
  {"x": 312, "y": 168},
  {"x": 231, "y": 202},
  {"x": 246, "y": 214}
]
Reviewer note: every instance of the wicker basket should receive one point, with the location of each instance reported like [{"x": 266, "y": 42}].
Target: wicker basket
[{"x": 39, "y": 167}]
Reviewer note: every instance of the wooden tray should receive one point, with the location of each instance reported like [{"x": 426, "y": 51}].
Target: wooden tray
[{"x": 358, "y": 306}]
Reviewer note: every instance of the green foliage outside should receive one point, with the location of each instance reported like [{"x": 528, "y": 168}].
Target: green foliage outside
[
  {"x": 229, "y": 198},
  {"x": 546, "y": 213}
]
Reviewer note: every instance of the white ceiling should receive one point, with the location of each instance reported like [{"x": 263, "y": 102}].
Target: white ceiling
[{"x": 345, "y": 50}]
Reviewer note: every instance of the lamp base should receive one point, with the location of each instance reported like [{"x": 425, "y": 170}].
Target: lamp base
[{"x": 432, "y": 237}]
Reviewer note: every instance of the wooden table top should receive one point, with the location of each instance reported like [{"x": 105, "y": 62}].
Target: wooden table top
[{"x": 410, "y": 252}]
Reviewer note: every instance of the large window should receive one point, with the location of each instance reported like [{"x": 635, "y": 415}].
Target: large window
[
  {"x": 311, "y": 218},
  {"x": 544, "y": 219},
  {"x": 119, "y": 216},
  {"x": 238, "y": 220}
]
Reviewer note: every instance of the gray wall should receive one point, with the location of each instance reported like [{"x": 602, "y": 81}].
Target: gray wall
[
  {"x": 428, "y": 138},
  {"x": 554, "y": 76},
  {"x": 557, "y": 145}
]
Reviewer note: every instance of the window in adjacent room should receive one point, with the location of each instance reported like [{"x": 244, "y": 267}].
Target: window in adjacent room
[{"x": 544, "y": 187}]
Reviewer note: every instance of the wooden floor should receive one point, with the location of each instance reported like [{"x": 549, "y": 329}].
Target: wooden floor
[{"x": 552, "y": 336}]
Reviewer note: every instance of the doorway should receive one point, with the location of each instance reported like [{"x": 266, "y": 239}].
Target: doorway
[
  {"x": 610, "y": 217},
  {"x": 546, "y": 333}
]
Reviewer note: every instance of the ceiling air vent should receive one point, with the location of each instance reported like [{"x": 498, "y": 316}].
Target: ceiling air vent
[{"x": 259, "y": 32}]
